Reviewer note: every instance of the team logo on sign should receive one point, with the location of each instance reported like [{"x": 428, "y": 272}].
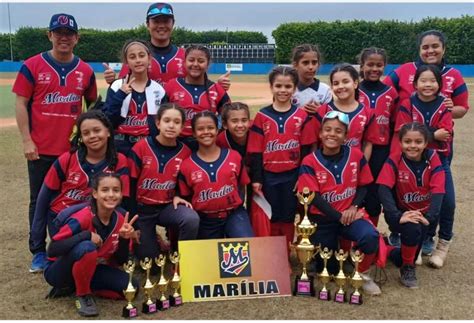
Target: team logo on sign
[{"x": 234, "y": 259}]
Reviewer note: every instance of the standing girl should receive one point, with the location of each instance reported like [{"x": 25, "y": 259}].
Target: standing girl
[
  {"x": 195, "y": 92},
  {"x": 86, "y": 251},
  {"x": 382, "y": 100},
  {"x": 67, "y": 182},
  {"x": 154, "y": 164},
  {"x": 417, "y": 177},
  {"x": 427, "y": 107},
  {"x": 132, "y": 102},
  {"x": 278, "y": 139},
  {"x": 310, "y": 92},
  {"x": 213, "y": 178},
  {"x": 339, "y": 176}
]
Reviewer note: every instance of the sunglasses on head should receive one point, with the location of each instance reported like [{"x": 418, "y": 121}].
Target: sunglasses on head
[
  {"x": 157, "y": 11},
  {"x": 344, "y": 118}
]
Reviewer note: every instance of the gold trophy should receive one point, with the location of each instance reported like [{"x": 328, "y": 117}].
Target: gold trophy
[
  {"x": 149, "y": 306},
  {"x": 324, "y": 276},
  {"x": 175, "y": 299},
  {"x": 163, "y": 302},
  {"x": 356, "y": 280},
  {"x": 340, "y": 279},
  {"x": 304, "y": 284},
  {"x": 130, "y": 310}
]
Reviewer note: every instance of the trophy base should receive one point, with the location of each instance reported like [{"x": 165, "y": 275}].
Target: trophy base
[
  {"x": 304, "y": 287},
  {"x": 176, "y": 301},
  {"x": 149, "y": 308},
  {"x": 129, "y": 312},
  {"x": 324, "y": 295},
  {"x": 340, "y": 298},
  {"x": 355, "y": 299},
  {"x": 163, "y": 305}
]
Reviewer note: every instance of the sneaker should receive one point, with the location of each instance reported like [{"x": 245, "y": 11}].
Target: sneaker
[
  {"x": 427, "y": 246},
  {"x": 57, "y": 292},
  {"x": 394, "y": 239},
  {"x": 39, "y": 262},
  {"x": 408, "y": 276},
  {"x": 86, "y": 306},
  {"x": 439, "y": 255},
  {"x": 419, "y": 260},
  {"x": 370, "y": 287}
]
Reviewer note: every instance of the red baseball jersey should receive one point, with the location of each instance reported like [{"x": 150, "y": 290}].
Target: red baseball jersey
[
  {"x": 214, "y": 186},
  {"x": 434, "y": 115},
  {"x": 55, "y": 92},
  {"x": 156, "y": 169},
  {"x": 278, "y": 136},
  {"x": 336, "y": 182},
  {"x": 72, "y": 179},
  {"x": 382, "y": 101},
  {"x": 360, "y": 121},
  {"x": 83, "y": 221},
  {"x": 164, "y": 67},
  {"x": 454, "y": 86},
  {"x": 414, "y": 182},
  {"x": 225, "y": 140},
  {"x": 194, "y": 99}
]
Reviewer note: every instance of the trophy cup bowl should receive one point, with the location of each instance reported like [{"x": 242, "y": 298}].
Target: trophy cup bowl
[
  {"x": 129, "y": 310},
  {"x": 176, "y": 299},
  {"x": 148, "y": 307},
  {"x": 356, "y": 280},
  {"x": 163, "y": 303},
  {"x": 324, "y": 276},
  {"x": 340, "y": 278}
]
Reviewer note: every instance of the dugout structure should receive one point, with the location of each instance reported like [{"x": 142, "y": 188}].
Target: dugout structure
[{"x": 241, "y": 53}]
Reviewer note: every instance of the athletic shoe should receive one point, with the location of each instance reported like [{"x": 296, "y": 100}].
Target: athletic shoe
[
  {"x": 427, "y": 246},
  {"x": 370, "y": 287},
  {"x": 39, "y": 262},
  {"x": 419, "y": 260},
  {"x": 86, "y": 306},
  {"x": 408, "y": 276},
  {"x": 394, "y": 239},
  {"x": 56, "y": 292},
  {"x": 439, "y": 255}
]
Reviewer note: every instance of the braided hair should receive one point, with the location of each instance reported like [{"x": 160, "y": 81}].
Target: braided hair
[{"x": 365, "y": 54}]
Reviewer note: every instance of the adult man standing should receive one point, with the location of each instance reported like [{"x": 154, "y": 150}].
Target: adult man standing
[{"x": 49, "y": 89}]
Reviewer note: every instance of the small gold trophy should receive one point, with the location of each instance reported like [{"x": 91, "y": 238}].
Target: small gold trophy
[
  {"x": 304, "y": 284},
  {"x": 340, "y": 279},
  {"x": 356, "y": 280},
  {"x": 175, "y": 299},
  {"x": 130, "y": 310},
  {"x": 149, "y": 306},
  {"x": 163, "y": 302},
  {"x": 324, "y": 276}
]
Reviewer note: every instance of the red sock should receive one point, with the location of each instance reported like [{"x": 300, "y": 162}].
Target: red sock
[
  {"x": 82, "y": 271},
  {"x": 367, "y": 262},
  {"x": 110, "y": 294},
  {"x": 408, "y": 254}
]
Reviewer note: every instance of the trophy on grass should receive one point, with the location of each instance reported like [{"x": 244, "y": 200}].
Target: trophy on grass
[
  {"x": 130, "y": 310},
  {"x": 163, "y": 302},
  {"x": 324, "y": 276},
  {"x": 356, "y": 280},
  {"x": 176, "y": 299},
  {"x": 340, "y": 278},
  {"x": 148, "y": 306},
  {"x": 304, "y": 283}
]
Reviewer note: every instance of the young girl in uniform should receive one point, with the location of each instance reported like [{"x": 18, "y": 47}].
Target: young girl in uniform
[
  {"x": 236, "y": 124},
  {"x": 154, "y": 164},
  {"x": 195, "y": 92},
  {"x": 382, "y": 100},
  {"x": 339, "y": 176},
  {"x": 278, "y": 139},
  {"x": 417, "y": 177},
  {"x": 310, "y": 92},
  {"x": 133, "y": 102},
  {"x": 428, "y": 107},
  {"x": 67, "y": 182},
  {"x": 86, "y": 252},
  {"x": 213, "y": 178}
]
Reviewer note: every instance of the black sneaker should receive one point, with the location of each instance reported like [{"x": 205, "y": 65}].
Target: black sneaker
[
  {"x": 86, "y": 306},
  {"x": 408, "y": 276},
  {"x": 57, "y": 292}
]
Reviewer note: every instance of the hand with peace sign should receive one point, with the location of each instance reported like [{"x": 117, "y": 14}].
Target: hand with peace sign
[
  {"x": 109, "y": 74},
  {"x": 127, "y": 84},
  {"x": 127, "y": 230}
]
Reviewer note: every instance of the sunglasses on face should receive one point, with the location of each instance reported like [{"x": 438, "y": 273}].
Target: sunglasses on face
[{"x": 344, "y": 118}]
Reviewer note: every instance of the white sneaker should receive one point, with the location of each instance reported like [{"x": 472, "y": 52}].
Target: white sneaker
[
  {"x": 370, "y": 287},
  {"x": 419, "y": 260},
  {"x": 438, "y": 258}
]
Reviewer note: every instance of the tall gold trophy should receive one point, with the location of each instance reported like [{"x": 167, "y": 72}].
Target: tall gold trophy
[
  {"x": 149, "y": 306},
  {"x": 304, "y": 283},
  {"x": 356, "y": 280},
  {"x": 176, "y": 299},
  {"x": 340, "y": 279},
  {"x": 324, "y": 276},
  {"x": 130, "y": 310},
  {"x": 163, "y": 302}
]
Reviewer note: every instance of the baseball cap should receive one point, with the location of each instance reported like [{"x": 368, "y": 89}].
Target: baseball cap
[
  {"x": 159, "y": 9},
  {"x": 63, "y": 20}
]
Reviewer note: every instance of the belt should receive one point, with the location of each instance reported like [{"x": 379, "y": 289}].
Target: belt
[
  {"x": 129, "y": 138},
  {"x": 217, "y": 215}
]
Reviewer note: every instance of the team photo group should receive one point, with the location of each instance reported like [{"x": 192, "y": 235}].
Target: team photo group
[{"x": 169, "y": 147}]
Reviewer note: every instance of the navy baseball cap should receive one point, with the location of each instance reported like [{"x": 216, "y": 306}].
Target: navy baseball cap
[
  {"x": 63, "y": 20},
  {"x": 159, "y": 9}
]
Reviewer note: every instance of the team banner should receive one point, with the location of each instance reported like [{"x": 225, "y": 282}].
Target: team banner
[{"x": 234, "y": 269}]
